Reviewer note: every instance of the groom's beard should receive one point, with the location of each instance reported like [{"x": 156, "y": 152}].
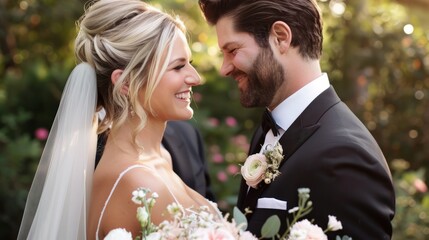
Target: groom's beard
[{"x": 263, "y": 80}]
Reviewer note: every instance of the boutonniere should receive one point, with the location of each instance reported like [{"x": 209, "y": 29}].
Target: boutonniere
[{"x": 263, "y": 166}]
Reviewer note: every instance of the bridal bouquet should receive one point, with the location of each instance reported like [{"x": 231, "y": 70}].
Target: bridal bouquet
[
  {"x": 187, "y": 223},
  {"x": 199, "y": 223}
]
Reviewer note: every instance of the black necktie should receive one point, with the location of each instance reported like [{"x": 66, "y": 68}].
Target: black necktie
[{"x": 268, "y": 123}]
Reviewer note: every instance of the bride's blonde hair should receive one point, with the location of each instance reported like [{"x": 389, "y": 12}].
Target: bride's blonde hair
[{"x": 129, "y": 35}]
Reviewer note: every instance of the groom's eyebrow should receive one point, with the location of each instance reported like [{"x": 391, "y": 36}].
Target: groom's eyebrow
[{"x": 226, "y": 45}]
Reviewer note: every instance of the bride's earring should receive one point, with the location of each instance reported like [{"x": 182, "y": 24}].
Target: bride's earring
[{"x": 131, "y": 110}]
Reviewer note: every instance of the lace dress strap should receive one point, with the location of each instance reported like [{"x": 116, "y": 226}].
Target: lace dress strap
[{"x": 114, "y": 187}]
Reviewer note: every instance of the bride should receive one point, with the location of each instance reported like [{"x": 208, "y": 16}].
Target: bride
[{"x": 134, "y": 62}]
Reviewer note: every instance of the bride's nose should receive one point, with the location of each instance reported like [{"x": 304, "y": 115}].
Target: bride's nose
[{"x": 193, "y": 79}]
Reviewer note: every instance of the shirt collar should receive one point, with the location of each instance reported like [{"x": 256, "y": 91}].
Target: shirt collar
[{"x": 289, "y": 110}]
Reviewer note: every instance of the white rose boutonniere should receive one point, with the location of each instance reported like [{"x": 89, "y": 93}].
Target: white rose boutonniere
[{"x": 264, "y": 166}]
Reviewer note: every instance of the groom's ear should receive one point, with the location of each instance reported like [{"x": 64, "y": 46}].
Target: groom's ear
[
  {"x": 116, "y": 74},
  {"x": 281, "y": 35}
]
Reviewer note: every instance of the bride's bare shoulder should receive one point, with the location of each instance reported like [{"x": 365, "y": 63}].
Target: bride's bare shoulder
[{"x": 131, "y": 175}]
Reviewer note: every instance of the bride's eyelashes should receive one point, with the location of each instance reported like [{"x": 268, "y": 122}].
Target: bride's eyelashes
[{"x": 179, "y": 67}]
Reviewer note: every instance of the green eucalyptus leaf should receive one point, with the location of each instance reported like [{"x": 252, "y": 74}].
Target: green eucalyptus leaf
[
  {"x": 271, "y": 227},
  {"x": 240, "y": 218}
]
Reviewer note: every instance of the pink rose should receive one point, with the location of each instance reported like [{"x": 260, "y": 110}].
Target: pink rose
[{"x": 254, "y": 169}]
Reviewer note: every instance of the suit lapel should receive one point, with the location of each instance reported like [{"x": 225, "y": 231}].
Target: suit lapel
[
  {"x": 300, "y": 130},
  {"x": 255, "y": 147}
]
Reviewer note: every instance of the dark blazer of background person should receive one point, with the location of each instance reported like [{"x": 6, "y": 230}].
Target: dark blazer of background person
[
  {"x": 184, "y": 143},
  {"x": 328, "y": 150}
]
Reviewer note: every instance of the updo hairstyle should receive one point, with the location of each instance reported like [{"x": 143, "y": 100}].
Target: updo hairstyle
[{"x": 132, "y": 36}]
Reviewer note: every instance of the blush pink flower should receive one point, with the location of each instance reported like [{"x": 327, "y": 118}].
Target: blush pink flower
[
  {"x": 254, "y": 169},
  {"x": 222, "y": 177},
  {"x": 213, "y": 122},
  {"x": 232, "y": 169},
  {"x": 420, "y": 185},
  {"x": 212, "y": 234},
  {"x": 241, "y": 141},
  {"x": 217, "y": 158},
  {"x": 231, "y": 122},
  {"x": 41, "y": 133}
]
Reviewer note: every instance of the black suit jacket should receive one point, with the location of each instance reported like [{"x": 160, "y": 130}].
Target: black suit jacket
[
  {"x": 184, "y": 143},
  {"x": 328, "y": 150},
  {"x": 185, "y": 146}
]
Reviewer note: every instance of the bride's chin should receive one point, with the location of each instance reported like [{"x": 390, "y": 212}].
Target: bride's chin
[
  {"x": 186, "y": 114},
  {"x": 190, "y": 115}
]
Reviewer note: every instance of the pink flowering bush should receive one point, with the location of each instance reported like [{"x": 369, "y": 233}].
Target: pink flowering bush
[
  {"x": 412, "y": 203},
  {"x": 41, "y": 133},
  {"x": 226, "y": 150}
]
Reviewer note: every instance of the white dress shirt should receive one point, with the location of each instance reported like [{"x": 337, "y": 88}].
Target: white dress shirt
[{"x": 289, "y": 110}]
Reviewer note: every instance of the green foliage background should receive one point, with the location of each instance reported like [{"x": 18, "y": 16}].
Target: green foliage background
[{"x": 381, "y": 72}]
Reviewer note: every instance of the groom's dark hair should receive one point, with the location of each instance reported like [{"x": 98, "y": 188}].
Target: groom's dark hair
[{"x": 257, "y": 16}]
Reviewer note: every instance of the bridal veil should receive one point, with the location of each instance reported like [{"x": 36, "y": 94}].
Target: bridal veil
[{"x": 57, "y": 203}]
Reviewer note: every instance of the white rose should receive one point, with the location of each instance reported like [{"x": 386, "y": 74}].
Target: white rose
[
  {"x": 334, "y": 224},
  {"x": 119, "y": 234},
  {"x": 254, "y": 169},
  {"x": 305, "y": 230}
]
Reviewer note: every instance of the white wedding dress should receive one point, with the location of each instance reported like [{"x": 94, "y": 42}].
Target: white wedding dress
[{"x": 113, "y": 190}]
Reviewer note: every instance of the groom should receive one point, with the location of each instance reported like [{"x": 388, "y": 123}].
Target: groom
[{"x": 271, "y": 48}]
